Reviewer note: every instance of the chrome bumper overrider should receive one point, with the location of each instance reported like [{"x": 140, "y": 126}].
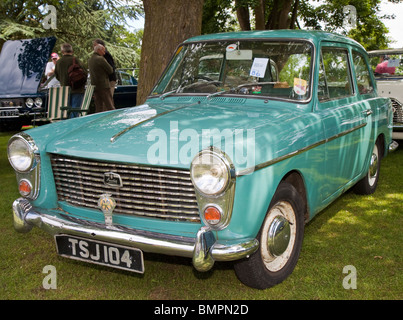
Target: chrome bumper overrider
[
  {"x": 204, "y": 249},
  {"x": 393, "y": 146}
]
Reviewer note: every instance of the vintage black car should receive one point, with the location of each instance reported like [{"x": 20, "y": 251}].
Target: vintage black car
[
  {"x": 22, "y": 96},
  {"x": 126, "y": 90},
  {"x": 22, "y": 63}
]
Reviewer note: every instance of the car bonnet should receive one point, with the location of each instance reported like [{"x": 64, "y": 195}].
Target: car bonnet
[
  {"x": 22, "y": 63},
  {"x": 171, "y": 135}
]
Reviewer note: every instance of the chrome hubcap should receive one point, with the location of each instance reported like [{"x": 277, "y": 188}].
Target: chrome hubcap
[
  {"x": 279, "y": 236},
  {"x": 373, "y": 167}
]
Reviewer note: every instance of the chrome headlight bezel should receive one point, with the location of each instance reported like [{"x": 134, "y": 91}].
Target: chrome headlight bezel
[
  {"x": 22, "y": 153},
  {"x": 28, "y": 173},
  {"x": 220, "y": 195},
  {"x": 210, "y": 172},
  {"x": 29, "y": 102},
  {"x": 38, "y": 102}
]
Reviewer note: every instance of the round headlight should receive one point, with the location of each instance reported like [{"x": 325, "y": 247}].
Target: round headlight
[
  {"x": 210, "y": 173},
  {"x": 20, "y": 154},
  {"x": 38, "y": 102},
  {"x": 29, "y": 102}
]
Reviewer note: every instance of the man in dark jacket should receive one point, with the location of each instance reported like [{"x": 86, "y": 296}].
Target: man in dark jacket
[
  {"x": 100, "y": 70},
  {"x": 62, "y": 74}
]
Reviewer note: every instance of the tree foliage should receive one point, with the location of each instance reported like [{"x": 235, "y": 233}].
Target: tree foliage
[
  {"x": 78, "y": 22},
  {"x": 328, "y": 15}
]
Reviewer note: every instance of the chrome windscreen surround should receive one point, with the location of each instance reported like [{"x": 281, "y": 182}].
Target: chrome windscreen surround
[
  {"x": 144, "y": 191},
  {"x": 224, "y": 201}
]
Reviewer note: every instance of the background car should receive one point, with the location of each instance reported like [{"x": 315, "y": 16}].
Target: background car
[
  {"x": 388, "y": 69},
  {"x": 22, "y": 64},
  {"x": 126, "y": 89}
]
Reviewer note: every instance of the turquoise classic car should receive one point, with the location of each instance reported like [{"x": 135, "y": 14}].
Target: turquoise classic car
[{"x": 245, "y": 137}]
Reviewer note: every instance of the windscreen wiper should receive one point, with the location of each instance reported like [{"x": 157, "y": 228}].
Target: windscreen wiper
[
  {"x": 234, "y": 90},
  {"x": 162, "y": 96}
]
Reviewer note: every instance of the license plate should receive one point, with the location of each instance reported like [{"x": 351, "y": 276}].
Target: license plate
[
  {"x": 99, "y": 252},
  {"x": 9, "y": 113}
]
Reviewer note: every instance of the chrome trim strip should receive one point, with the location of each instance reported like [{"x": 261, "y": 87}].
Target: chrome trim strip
[
  {"x": 119, "y": 134},
  {"x": 296, "y": 152},
  {"x": 204, "y": 248}
]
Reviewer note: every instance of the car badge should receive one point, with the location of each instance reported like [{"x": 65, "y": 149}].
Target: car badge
[
  {"x": 112, "y": 179},
  {"x": 107, "y": 204}
]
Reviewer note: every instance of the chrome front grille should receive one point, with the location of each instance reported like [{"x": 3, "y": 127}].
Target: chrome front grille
[
  {"x": 397, "y": 111},
  {"x": 146, "y": 191}
]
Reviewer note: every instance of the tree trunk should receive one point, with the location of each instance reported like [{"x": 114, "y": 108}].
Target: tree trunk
[
  {"x": 278, "y": 18},
  {"x": 242, "y": 14},
  {"x": 260, "y": 15},
  {"x": 294, "y": 15},
  {"x": 167, "y": 23}
]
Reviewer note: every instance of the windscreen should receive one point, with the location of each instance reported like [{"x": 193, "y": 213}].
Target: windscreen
[{"x": 273, "y": 69}]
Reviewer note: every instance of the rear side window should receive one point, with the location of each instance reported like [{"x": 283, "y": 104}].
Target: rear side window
[
  {"x": 334, "y": 74},
  {"x": 364, "y": 81}
]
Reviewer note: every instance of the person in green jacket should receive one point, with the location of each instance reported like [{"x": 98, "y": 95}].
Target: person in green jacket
[
  {"x": 100, "y": 70},
  {"x": 62, "y": 74}
]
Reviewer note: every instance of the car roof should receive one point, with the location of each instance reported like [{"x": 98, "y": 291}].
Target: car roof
[
  {"x": 385, "y": 51},
  {"x": 313, "y": 35}
]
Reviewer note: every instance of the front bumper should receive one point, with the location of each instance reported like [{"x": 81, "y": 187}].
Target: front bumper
[
  {"x": 204, "y": 249},
  {"x": 397, "y": 132}
]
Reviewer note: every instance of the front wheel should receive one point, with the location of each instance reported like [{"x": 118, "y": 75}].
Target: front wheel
[{"x": 280, "y": 239}]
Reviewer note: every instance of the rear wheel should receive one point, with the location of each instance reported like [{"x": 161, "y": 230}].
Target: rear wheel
[
  {"x": 280, "y": 239},
  {"x": 368, "y": 184}
]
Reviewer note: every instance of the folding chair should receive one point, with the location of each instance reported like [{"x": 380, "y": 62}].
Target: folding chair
[
  {"x": 85, "y": 105},
  {"x": 58, "y": 98}
]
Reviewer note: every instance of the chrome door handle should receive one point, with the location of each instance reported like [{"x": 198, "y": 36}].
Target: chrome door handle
[{"x": 367, "y": 112}]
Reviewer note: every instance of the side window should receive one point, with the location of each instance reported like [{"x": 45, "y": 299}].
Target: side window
[
  {"x": 334, "y": 74},
  {"x": 125, "y": 79},
  {"x": 364, "y": 81}
]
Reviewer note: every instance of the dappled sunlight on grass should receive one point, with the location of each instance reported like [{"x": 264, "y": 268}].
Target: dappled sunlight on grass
[{"x": 396, "y": 196}]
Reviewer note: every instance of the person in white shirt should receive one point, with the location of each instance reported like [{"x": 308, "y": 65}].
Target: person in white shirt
[{"x": 50, "y": 71}]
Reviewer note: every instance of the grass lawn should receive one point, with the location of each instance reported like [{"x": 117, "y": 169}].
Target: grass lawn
[{"x": 360, "y": 231}]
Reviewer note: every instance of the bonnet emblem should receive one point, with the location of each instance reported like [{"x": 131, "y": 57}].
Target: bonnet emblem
[{"x": 113, "y": 180}]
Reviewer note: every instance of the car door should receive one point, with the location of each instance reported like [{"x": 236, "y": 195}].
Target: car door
[{"x": 344, "y": 119}]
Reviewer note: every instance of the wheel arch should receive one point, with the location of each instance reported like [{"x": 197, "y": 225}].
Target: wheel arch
[
  {"x": 296, "y": 179},
  {"x": 382, "y": 145}
]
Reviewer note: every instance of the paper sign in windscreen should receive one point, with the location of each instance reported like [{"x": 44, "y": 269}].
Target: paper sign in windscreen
[{"x": 259, "y": 67}]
